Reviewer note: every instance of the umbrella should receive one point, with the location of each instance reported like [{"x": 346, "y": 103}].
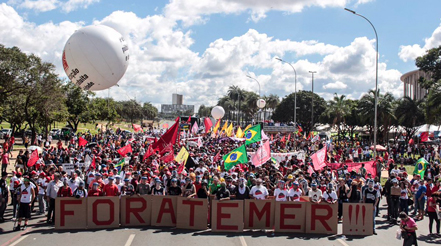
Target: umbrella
[
  {"x": 378, "y": 148},
  {"x": 34, "y": 147},
  {"x": 91, "y": 145}
]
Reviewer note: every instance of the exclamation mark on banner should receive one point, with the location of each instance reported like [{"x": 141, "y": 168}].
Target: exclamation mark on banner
[
  {"x": 357, "y": 211},
  {"x": 363, "y": 214},
  {"x": 350, "y": 216}
]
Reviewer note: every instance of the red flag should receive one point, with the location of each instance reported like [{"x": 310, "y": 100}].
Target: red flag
[
  {"x": 272, "y": 137},
  {"x": 189, "y": 119},
  {"x": 136, "y": 127},
  {"x": 82, "y": 142},
  {"x": 424, "y": 137},
  {"x": 319, "y": 159},
  {"x": 411, "y": 142},
  {"x": 93, "y": 164},
  {"x": 208, "y": 124},
  {"x": 217, "y": 157},
  {"x": 263, "y": 154},
  {"x": 299, "y": 128},
  {"x": 283, "y": 139},
  {"x": 181, "y": 168},
  {"x": 310, "y": 170},
  {"x": 148, "y": 153},
  {"x": 168, "y": 138},
  {"x": 289, "y": 136},
  {"x": 124, "y": 150},
  {"x": 33, "y": 158},
  {"x": 168, "y": 157}
]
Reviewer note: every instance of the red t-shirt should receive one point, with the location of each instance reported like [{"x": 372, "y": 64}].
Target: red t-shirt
[
  {"x": 431, "y": 208},
  {"x": 409, "y": 223},
  {"x": 94, "y": 193},
  {"x": 65, "y": 192},
  {"x": 110, "y": 190}
]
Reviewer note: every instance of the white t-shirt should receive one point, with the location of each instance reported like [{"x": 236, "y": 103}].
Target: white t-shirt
[
  {"x": 315, "y": 195},
  {"x": 26, "y": 194},
  {"x": 41, "y": 186},
  {"x": 281, "y": 195},
  {"x": 295, "y": 194},
  {"x": 259, "y": 192},
  {"x": 330, "y": 197}
]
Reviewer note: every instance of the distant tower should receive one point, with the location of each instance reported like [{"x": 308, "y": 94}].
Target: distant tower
[{"x": 177, "y": 99}]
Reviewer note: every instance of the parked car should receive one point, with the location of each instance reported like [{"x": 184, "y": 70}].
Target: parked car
[
  {"x": 5, "y": 133},
  {"x": 54, "y": 131}
]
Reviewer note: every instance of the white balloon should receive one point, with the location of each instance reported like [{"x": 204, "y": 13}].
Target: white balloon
[
  {"x": 217, "y": 112},
  {"x": 95, "y": 57},
  {"x": 261, "y": 103}
]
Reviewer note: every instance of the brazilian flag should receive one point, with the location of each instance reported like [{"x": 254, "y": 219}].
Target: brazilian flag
[
  {"x": 235, "y": 157},
  {"x": 119, "y": 166},
  {"x": 420, "y": 167},
  {"x": 253, "y": 134}
]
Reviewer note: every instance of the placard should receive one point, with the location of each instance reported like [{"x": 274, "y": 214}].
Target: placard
[
  {"x": 290, "y": 217},
  {"x": 136, "y": 210},
  {"x": 103, "y": 212},
  {"x": 321, "y": 218},
  {"x": 70, "y": 213},
  {"x": 259, "y": 214},
  {"x": 358, "y": 219},
  {"x": 192, "y": 213},
  {"x": 164, "y": 211},
  {"x": 227, "y": 216}
]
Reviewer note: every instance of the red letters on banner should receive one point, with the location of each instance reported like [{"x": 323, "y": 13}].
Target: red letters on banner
[
  {"x": 64, "y": 212},
  {"x": 290, "y": 217},
  {"x": 321, "y": 218},
  {"x": 166, "y": 208},
  {"x": 95, "y": 212},
  {"x": 227, "y": 216},
  {"x": 259, "y": 214}
]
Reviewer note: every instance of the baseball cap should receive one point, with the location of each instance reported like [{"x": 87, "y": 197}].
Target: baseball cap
[{"x": 111, "y": 178}]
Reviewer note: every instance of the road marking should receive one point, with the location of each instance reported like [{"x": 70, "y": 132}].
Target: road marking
[
  {"x": 130, "y": 240},
  {"x": 342, "y": 242},
  {"x": 19, "y": 240},
  {"x": 242, "y": 241},
  {"x": 16, "y": 237}
]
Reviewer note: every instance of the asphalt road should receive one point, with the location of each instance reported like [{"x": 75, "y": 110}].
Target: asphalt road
[{"x": 39, "y": 234}]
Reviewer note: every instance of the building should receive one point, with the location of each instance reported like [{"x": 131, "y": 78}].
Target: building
[
  {"x": 412, "y": 88},
  {"x": 177, "y": 108},
  {"x": 177, "y": 99}
]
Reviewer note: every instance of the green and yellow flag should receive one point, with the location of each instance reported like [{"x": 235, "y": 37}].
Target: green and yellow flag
[
  {"x": 119, "y": 166},
  {"x": 253, "y": 134},
  {"x": 235, "y": 157},
  {"x": 420, "y": 167},
  {"x": 182, "y": 156}
]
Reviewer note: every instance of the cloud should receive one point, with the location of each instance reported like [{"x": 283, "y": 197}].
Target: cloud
[
  {"x": 335, "y": 85},
  {"x": 39, "y": 5},
  {"x": 48, "y": 5},
  {"x": 196, "y": 12},
  {"x": 411, "y": 52},
  {"x": 72, "y": 5},
  {"x": 162, "y": 60}
]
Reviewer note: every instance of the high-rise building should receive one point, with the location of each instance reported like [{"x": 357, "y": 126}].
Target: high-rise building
[{"x": 177, "y": 99}]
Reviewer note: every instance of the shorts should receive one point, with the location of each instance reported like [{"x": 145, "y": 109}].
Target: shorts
[
  {"x": 24, "y": 211},
  {"x": 420, "y": 204}
]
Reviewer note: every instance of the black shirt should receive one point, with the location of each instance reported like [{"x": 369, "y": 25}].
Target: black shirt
[
  {"x": 370, "y": 196},
  {"x": 174, "y": 191},
  {"x": 201, "y": 193},
  {"x": 222, "y": 193},
  {"x": 245, "y": 195}
]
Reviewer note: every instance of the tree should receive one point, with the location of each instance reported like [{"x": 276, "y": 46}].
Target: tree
[
  {"x": 78, "y": 105},
  {"x": 149, "y": 111},
  {"x": 105, "y": 109},
  {"x": 285, "y": 110},
  {"x": 430, "y": 63},
  {"x": 337, "y": 110},
  {"x": 204, "y": 111},
  {"x": 129, "y": 110},
  {"x": 385, "y": 112},
  {"x": 409, "y": 114}
]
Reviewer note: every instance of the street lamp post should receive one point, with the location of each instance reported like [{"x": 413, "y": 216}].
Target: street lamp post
[
  {"x": 295, "y": 90},
  {"x": 376, "y": 79},
  {"x": 312, "y": 99},
  {"x": 257, "y": 83}
]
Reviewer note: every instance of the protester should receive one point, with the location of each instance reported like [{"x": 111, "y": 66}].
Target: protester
[
  {"x": 52, "y": 192},
  {"x": 315, "y": 195},
  {"x": 371, "y": 196},
  {"x": 433, "y": 208},
  {"x": 27, "y": 195},
  {"x": 408, "y": 230}
]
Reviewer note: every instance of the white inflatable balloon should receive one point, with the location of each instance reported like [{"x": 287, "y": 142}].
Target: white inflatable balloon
[
  {"x": 95, "y": 57},
  {"x": 217, "y": 112},
  {"x": 261, "y": 103}
]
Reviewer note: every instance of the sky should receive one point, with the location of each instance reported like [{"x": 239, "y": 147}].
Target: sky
[{"x": 199, "y": 48}]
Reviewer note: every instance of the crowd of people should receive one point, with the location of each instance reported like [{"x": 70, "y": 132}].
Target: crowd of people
[{"x": 33, "y": 189}]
